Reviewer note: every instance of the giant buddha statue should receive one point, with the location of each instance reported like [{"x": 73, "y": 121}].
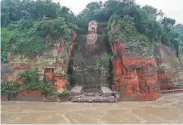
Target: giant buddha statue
[{"x": 90, "y": 64}]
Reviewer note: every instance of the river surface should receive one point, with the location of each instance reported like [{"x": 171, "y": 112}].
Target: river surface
[{"x": 167, "y": 109}]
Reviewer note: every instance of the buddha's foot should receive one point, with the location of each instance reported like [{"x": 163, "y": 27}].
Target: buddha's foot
[
  {"x": 106, "y": 91},
  {"x": 76, "y": 90}
]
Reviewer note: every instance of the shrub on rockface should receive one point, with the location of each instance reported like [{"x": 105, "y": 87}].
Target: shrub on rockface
[
  {"x": 124, "y": 30},
  {"x": 29, "y": 82},
  {"x": 6, "y": 37},
  {"x": 35, "y": 40},
  {"x": 34, "y": 26}
]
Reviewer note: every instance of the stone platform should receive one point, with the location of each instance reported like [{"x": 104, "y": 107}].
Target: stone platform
[
  {"x": 85, "y": 98},
  {"x": 104, "y": 94}
]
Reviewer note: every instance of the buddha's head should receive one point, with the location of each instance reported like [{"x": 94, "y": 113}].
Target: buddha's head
[{"x": 92, "y": 26}]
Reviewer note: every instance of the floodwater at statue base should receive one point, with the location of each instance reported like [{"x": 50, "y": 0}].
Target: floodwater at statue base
[{"x": 167, "y": 109}]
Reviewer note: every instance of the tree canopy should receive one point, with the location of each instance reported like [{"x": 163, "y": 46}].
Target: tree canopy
[{"x": 33, "y": 25}]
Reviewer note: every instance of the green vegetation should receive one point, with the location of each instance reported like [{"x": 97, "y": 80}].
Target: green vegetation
[
  {"x": 11, "y": 89},
  {"x": 31, "y": 82},
  {"x": 35, "y": 25}
]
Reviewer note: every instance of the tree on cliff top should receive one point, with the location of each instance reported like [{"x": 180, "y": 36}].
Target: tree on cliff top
[
  {"x": 34, "y": 25},
  {"x": 30, "y": 23},
  {"x": 143, "y": 20}
]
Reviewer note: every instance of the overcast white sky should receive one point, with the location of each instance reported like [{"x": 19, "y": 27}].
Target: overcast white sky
[{"x": 171, "y": 8}]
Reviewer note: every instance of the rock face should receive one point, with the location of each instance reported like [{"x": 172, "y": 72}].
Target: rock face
[
  {"x": 135, "y": 76},
  {"x": 170, "y": 69},
  {"x": 139, "y": 71},
  {"x": 52, "y": 65}
]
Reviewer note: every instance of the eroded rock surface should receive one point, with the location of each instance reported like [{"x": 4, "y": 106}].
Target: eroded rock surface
[
  {"x": 170, "y": 68},
  {"x": 139, "y": 71},
  {"x": 135, "y": 75},
  {"x": 52, "y": 64}
]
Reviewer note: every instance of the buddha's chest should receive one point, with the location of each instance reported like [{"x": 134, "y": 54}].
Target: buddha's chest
[{"x": 93, "y": 47}]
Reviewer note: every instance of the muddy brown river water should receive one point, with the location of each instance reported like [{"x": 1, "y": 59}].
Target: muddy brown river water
[{"x": 167, "y": 109}]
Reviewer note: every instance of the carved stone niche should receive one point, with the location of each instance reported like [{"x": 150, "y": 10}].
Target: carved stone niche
[
  {"x": 89, "y": 70},
  {"x": 60, "y": 82}
]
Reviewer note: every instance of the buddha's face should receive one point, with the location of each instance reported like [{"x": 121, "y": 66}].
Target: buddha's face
[{"x": 92, "y": 26}]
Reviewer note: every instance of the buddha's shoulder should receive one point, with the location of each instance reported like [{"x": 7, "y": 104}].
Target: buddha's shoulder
[{"x": 84, "y": 37}]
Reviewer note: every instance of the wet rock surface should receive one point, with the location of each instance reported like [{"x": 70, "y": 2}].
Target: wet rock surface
[{"x": 166, "y": 109}]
